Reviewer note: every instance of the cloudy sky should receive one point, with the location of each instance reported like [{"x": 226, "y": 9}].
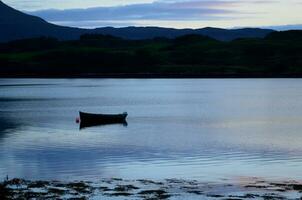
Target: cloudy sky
[{"x": 166, "y": 13}]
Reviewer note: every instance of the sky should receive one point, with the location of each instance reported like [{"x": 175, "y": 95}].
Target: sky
[{"x": 278, "y": 14}]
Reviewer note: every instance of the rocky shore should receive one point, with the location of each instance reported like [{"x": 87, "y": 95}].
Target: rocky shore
[{"x": 147, "y": 189}]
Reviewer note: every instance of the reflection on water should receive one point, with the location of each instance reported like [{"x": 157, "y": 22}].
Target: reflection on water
[
  {"x": 7, "y": 125},
  {"x": 192, "y": 129},
  {"x": 84, "y": 125}
]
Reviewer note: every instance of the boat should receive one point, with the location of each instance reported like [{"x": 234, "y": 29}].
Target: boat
[{"x": 91, "y": 119}]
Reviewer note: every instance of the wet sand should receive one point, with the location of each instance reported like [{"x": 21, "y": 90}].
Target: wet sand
[{"x": 174, "y": 189}]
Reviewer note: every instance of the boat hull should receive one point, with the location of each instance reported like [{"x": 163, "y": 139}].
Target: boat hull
[{"x": 90, "y": 119}]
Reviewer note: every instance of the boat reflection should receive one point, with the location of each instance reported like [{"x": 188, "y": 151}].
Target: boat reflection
[{"x": 84, "y": 125}]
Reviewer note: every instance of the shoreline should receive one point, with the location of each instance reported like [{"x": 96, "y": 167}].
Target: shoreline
[
  {"x": 152, "y": 76},
  {"x": 116, "y": 188}
]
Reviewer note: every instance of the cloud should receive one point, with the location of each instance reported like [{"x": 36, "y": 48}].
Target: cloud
[
  {"x": 90, "y": 24},
  {"x": 161, "y": 10},
  {"x": 166, "y": 13}
]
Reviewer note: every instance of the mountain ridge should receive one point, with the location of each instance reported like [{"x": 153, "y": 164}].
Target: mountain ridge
[{"x": 16, "y": 25}]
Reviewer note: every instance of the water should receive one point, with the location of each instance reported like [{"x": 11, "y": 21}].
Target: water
[{"x": 204, "y": 129}]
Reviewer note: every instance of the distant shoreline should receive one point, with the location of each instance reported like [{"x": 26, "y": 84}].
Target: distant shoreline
[
  {"x": 190, "y": 56},
  {"x": 151, "y": 76}
]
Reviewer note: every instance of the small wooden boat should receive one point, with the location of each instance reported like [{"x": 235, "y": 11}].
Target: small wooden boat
[{"x": 90, "y": 119}]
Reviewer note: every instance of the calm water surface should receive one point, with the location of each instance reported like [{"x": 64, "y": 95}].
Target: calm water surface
[{"x": 201, "y": 129}]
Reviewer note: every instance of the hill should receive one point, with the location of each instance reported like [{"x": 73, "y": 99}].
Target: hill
[
  {"x": 140, "y": 33},
  {"x": 17, "y": 25}
]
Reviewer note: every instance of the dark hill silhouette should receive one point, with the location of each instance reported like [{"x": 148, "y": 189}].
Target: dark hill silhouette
[
  {"x": 286, "y": 35},
  {"x": 17, "y": 25},
  {"x": 151, "y": 32}
]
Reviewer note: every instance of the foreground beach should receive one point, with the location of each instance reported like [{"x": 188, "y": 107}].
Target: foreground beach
[{"x": 251, "y": 188}]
